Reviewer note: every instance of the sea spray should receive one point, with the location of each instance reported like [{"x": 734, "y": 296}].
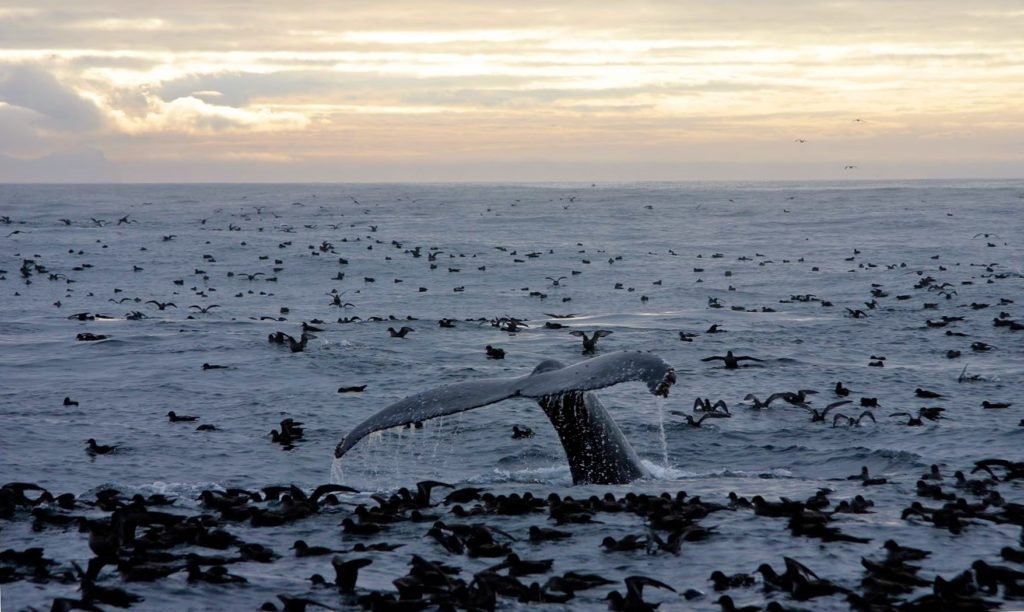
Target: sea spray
[{"x": 661, "y": 432}]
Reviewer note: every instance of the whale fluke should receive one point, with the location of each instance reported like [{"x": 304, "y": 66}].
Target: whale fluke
[{"x": 596, "y": 449}]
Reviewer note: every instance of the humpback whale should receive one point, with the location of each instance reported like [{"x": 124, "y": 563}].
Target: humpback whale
[{"x": 597, "y": 451}]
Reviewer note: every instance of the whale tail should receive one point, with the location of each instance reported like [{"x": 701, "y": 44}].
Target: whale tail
[{"x": 589, "y": 435}]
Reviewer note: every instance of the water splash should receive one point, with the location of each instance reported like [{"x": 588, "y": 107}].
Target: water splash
[
  {"x": 555, "y": 475},
  {"x": 337, "y": 472},
  {"x": 661, "y": 433},
  {"x": 660, "y": 472},
  {"x": 381, "y": 461}
]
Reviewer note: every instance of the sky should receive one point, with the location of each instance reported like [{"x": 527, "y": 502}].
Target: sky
[{"x": 415, "y": 90}]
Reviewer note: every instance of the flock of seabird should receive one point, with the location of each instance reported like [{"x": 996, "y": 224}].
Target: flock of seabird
[{"x": 151, "y": 539}]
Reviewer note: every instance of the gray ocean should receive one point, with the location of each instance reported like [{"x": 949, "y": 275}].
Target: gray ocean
[{"x": 777, "y": 266}]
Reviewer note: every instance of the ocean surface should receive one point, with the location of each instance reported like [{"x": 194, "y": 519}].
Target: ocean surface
[{"x": 783, "y": 261}]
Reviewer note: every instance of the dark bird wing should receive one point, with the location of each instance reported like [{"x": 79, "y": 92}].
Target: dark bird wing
[
  {"x": 792, "y": 398},
  {"x": 795, "y": 568},
  {"x": 324, "y": 489},
  {"x": 835, "y": 405},
  {"x": 712, "y": 415},
  {"x": 635, "y": 585},
  {"x": 866, "y": 413}
]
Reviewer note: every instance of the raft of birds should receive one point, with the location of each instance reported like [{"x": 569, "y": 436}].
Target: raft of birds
[
  {"x": 145, "y": 539},
  {"x": 151, "y": 538}
]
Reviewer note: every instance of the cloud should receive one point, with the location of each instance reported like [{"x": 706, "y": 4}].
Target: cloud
[
  {"x": 459, "y": 81},
  {"x": 17, "y": 135},
  {"x": 192, "y": 115},
  {"x": 60, "y": 107},
  {"x": 80, "y": 166},
  {"x": 238, "y": 88}
]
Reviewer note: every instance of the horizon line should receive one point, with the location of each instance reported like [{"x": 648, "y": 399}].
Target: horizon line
[{"x": 525, "y": 182}]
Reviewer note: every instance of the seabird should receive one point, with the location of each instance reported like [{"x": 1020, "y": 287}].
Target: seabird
[
  {"x": 732, "y": 362},
  {"x": 590, "y": 342},
  {"x": 401, "y": 333},
  {"x": 698, "y": 422},
  {"x": 99, "y": 449},
  {"x": 911, "y": 419},
  {"x": 204, "y": 309},
  {"x": 821, "y": 416}
]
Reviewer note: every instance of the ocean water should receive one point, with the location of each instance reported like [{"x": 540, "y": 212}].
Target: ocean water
[{"x": 644, "y": 261}]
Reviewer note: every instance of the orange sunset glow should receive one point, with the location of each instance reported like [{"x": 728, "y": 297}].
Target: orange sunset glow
[{"x": 453, "y": 91}]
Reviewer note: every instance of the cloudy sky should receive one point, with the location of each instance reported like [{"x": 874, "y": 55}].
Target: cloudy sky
[{"x": 196, "y": 90}]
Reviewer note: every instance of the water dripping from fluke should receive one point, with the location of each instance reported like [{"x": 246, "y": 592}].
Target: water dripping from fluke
[{"x": 661, "y": 432}]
